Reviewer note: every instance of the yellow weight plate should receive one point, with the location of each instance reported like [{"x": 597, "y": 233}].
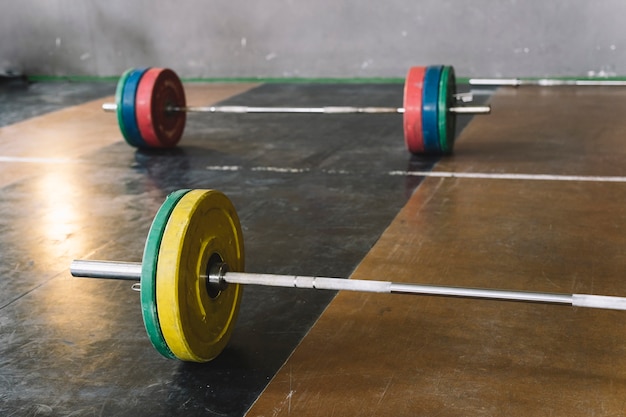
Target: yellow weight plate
[{"x": 203, "y": 226}]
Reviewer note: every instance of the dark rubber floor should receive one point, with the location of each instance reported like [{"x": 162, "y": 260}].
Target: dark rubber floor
[{"x": 313, "y": 193}]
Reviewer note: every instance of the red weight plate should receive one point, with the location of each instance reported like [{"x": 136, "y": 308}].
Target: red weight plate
[
  {"x": 159, "y": 89},
  {"x": 413, "y": 85}
]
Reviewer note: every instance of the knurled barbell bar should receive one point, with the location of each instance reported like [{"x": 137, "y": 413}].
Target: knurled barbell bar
[
  {"x": 151, "y": 108},
  {"x": 191, "y": 278}
]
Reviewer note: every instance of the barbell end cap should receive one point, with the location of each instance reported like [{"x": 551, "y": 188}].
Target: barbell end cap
[
  {"x": 599, "y": 301},
  {"x": 496, "y": 82},
  {"x": 109, "y": 107},
  {"x": 80, "y": 268},
  {"x": 470, "y": 109}
]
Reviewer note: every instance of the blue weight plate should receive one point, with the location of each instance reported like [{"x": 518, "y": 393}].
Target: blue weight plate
[
  {"x": 132, "y": 134},
  {"x": 430, "y": 126}
]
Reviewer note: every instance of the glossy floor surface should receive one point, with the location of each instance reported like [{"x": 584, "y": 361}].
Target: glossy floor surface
[
  {"x": 313, "y": 194},
  {"x": 532, "y": 199},
  {"x": 554, "y": 223}
]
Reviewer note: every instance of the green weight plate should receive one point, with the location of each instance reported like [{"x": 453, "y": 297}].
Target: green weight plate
[
  {"x": 446, "y": 119},
  {"x": 119, "y": 95},
  {"x": 148, "y": 274}
]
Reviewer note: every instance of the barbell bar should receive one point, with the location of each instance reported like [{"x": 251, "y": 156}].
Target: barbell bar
[
  {"x": 544, "y": 82},
  {"x": 112, "y": 107},
  {"x": 151, "y": 108},
  {"x": 219, "y": 276},
  {"x": 191, "y": 278}
]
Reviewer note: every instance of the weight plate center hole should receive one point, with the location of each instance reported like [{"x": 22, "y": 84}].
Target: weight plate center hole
[{"x": 216, "y": 267}]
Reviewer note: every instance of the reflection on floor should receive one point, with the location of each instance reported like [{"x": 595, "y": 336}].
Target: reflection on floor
[{"x": 71, "y": 188}]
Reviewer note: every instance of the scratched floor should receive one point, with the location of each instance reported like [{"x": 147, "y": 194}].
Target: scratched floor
[
  {"x": 76, "y": 346},
  {"x": 532, "y": 200}
]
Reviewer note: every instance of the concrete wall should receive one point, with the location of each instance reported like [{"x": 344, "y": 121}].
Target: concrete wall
[{"x": 314, "y": 38}]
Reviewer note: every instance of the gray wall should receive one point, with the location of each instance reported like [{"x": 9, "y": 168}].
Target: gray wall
[{"x": 314, "y": 38}]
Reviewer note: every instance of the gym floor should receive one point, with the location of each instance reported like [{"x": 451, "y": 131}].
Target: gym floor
[{"x": 332, "y": 195}]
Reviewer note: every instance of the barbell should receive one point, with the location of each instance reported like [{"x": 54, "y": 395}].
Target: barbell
[
  {"x": 191, "y": 278},
  {"x": 151, "y": 108}
]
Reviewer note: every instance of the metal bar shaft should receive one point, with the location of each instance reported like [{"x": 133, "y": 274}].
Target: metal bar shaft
[
  {"x": 319, "y": 110},
  {"x": 543, "y": 82},
  {"x": 132, "y": 271},
  {"x": 341, "y": 284},
  {"x": 111, "y": 107}
]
